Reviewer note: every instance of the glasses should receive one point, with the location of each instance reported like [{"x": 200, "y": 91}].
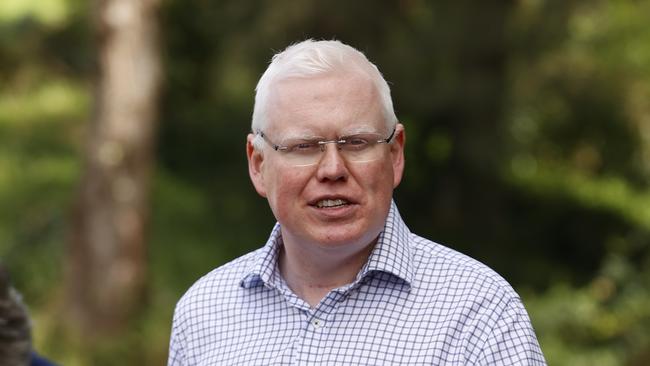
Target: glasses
[{"x": 356, "y": 148}]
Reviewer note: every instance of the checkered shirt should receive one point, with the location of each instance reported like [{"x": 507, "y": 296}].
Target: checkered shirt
[{"x": 414, "y": 302}]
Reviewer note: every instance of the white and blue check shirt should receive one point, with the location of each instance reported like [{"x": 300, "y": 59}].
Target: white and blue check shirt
[{"x": 414, "y": 302}]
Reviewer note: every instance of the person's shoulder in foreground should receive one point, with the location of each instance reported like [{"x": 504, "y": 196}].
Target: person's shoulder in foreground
[
  {"x": 341, "y": 279},
  {"x": 15, "y": 327}
]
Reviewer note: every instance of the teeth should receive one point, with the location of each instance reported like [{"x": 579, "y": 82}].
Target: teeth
[{"x": 331, "y": 203}]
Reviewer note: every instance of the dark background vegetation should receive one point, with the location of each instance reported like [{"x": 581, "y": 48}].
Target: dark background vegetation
[{"x": 528, "y": 148}]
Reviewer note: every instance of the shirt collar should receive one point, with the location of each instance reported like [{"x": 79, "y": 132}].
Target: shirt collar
[
  {"x": 391, "y": 255},
  {"x": 264, "y": 265}
]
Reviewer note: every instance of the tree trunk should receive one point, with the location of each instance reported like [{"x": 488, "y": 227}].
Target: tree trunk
[{"x": 106, "y": 274}]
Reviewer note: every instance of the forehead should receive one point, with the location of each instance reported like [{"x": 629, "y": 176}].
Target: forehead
[{"x": 325, "y": 104}]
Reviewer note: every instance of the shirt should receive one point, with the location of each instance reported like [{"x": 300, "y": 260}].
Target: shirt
[{"x": 414, "y": 302}]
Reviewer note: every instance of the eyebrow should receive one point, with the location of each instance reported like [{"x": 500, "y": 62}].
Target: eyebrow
[
  {"x": 308, "y": 135},
  {"x": 292, "y": 136},
  {"x": 360, "y": 130}
]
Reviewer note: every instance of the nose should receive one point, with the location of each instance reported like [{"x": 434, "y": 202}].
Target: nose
[{"x": 331, "y": 166}]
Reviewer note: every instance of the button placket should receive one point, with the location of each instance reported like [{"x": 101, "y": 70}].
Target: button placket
[{"x": 325, "y": 311}]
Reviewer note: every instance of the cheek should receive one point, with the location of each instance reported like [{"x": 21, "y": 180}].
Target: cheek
[
  {"x": 379, "y": 178},
  {"x": 290, "y": 181},
  {"x": 284, "y": 186}
]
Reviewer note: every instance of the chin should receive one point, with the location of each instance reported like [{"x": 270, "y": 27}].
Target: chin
[{"x": 332, "y": 239}]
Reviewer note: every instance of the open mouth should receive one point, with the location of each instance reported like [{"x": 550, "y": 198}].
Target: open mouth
[{"x": 330, "y": 203}]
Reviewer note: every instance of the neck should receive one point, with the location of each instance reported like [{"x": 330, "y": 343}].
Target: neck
[{"x": 312, "y": 273}]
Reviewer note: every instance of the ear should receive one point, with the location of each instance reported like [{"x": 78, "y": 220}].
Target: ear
[
  {"x": 397, "y": 154},
  {"x": 255, "y": 165}
]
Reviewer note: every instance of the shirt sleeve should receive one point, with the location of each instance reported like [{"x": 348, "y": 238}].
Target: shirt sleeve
[{"x": 513, "y": 340}]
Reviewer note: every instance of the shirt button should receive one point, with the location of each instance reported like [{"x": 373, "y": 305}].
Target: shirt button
[{"x": 317, "y": 323}]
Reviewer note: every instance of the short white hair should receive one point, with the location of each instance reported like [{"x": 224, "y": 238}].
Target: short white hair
[{"x": 312, "y": 58}]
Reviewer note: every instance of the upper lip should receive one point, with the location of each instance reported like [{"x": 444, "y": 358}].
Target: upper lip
[{"x": 331, "y": 197}]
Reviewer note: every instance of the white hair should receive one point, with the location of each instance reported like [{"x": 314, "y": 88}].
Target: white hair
[{"x": 313, "y": 58}]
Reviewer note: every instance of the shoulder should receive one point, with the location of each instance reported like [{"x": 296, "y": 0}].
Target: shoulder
[
  {"x": 442, "y": 267},
  {"x": 217, "y": 285},
  {"x": 37, "y": 360},
  {"x": 465, "y": 294},
  {"x": 478, "y": 299},
  {"x": 205, "y": 304}
]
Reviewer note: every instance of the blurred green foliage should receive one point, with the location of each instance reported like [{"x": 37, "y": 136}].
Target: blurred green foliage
[{"x": 528, "y": 147}]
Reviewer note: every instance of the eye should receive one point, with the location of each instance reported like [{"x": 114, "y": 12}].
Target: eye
[
  {"x": 356, "y": 142},
  {"x": 303, "y": 147}
]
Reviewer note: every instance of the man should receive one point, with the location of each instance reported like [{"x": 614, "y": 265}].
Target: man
[{"x": 341, "y": 280}]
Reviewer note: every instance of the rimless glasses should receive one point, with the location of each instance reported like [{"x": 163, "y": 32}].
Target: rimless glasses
[{"x": 358, "y": 148}]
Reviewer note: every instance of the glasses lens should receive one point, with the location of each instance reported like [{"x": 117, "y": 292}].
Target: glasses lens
[
  {"x": 362, "y": 147},
  {"x": 302, "y": 152}
]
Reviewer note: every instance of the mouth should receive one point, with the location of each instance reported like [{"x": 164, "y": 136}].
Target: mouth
[{"x": 331, "y": 202}]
